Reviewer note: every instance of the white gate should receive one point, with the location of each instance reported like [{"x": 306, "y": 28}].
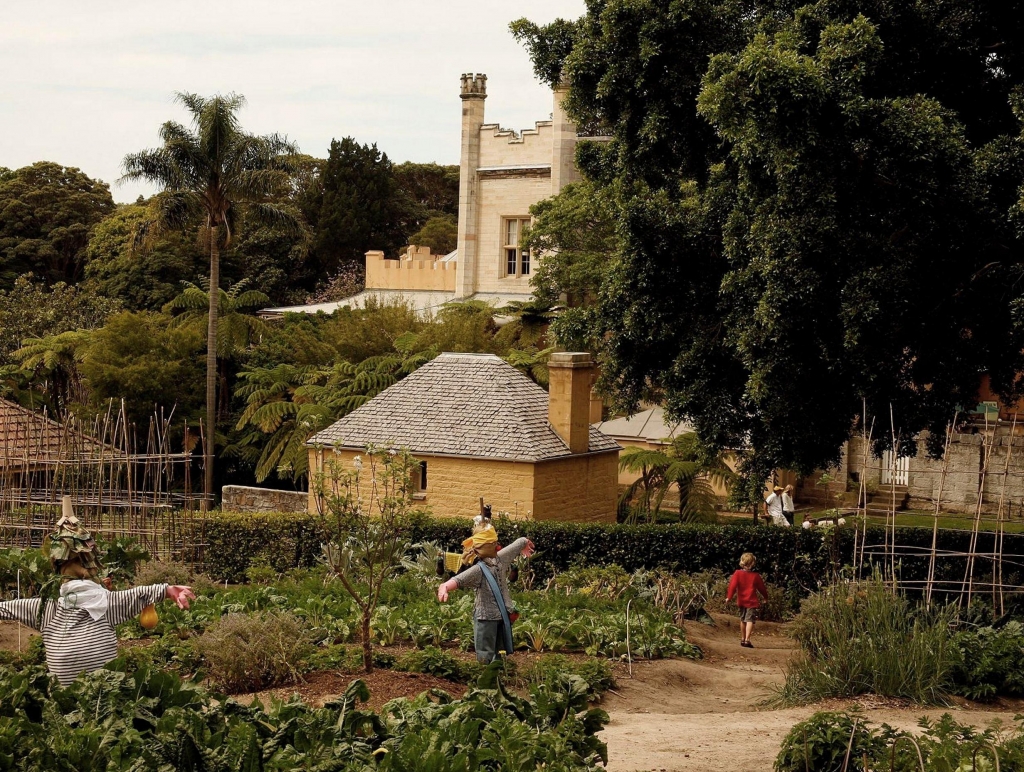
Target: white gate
[{"x": 895, "y": 471}]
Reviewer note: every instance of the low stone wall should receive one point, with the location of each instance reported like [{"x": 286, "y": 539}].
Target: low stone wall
[{"x": 241, "y": 498}]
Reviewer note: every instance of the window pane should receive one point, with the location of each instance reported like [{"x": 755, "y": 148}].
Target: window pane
[
  {"x": 511, "y": 233},
  {"x": 525, "y": 262},
  {"x": 510, "y": 261}
]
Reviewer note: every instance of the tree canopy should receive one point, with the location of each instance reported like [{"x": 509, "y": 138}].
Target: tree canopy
[
  {"x": 46, "y": 214},
  {"x": 816, "y": 207}
]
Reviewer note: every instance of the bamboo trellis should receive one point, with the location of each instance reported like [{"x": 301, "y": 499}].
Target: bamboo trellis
[{"x": 122, "y": 481}]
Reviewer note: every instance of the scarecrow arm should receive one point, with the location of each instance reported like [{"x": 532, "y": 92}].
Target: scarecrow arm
[
  {"x": 511, "y": 552},
  {"x": 126, "y": 604},
  {"x": 24, "y": 611},
  {"x": 442, "y": 591}
]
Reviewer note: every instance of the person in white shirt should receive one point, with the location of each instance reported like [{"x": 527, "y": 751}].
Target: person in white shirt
[
  {"x": 788, "y": 507},
  {"x": 773, "y": 507}
]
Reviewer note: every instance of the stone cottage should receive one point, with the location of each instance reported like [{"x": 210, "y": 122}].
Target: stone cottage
[{"x": 480, "y": 428}]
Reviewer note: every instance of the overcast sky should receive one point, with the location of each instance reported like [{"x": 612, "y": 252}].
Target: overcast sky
[{"x": 84, "y": 83}]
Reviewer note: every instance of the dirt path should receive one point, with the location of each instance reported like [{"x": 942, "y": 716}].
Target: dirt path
[{"x": 681, "y": 715}]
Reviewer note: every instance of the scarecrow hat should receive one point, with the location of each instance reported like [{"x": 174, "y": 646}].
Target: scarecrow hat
[{"x": 70, "y": 542}]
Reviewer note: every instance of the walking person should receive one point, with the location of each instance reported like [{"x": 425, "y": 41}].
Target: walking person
[
  {"x": 773, "y": 508},
  {"x": 493, "y": 611},
  {"x": 788, "y": 507},
  {"x": 746, "y": 584}
]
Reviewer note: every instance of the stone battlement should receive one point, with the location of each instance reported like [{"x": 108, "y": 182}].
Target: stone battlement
[
  {"x": 474, "y": 85},
  {"x": 505, "y": 147},
  {"x": 418, "y": 270}
]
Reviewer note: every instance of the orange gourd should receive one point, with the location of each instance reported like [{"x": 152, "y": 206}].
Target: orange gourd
[{"x": 148, "y": 617}]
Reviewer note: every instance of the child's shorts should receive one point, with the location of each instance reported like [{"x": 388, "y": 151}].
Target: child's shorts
[{"x": 748, "y": 614}]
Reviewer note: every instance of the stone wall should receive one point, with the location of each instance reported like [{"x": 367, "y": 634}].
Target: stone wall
[
  {"x": 966, "y": 458},
  {"x": 582, "y": 488},
  {"x": 241, "y": 498}
]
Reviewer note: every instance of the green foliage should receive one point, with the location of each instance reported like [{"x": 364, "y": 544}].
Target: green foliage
[
  {"x": 426, "y": 191},
  {"x": 286, "y": 405},
  {"x": 680, "y": 466},
  {"x": 142, "y": 279},
  {"x": 574, "y": 233},
  {"x": 550, "y": 669},
  {"x": 356, "y": 208},
  {"x": 441, "y": 234},
  {"x": 868, "y": 639},
  {"x": 24, "y": 569},
  {"x": 145, "y": 360},
  {"x": 147, "y": 721},
  {"x": 47, "y": 212},
  {"x": 435, "y": 662},
  {"x": 833, "y": 741},
  {"x": 30, "y": 309},
  {"x": 990, "y": 662},
  {"x": 248, "y": 652},
  {"x": 122, "y": 558},
  {"x": 795, "y": 187}
]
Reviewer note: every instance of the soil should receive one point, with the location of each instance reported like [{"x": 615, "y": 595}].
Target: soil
[
  {"x": 670, "y": 715},
  {"x": 685, "y": 715},
  {"x": 12, "y": 634}
]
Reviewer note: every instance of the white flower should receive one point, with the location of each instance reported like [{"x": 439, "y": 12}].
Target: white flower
[
  {"x": 808, "y": 524},
  {"x": 357, "y": 462},
  {"x": 841, "y": 521}
]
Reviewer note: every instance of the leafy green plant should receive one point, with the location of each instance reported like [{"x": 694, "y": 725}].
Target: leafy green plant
[
  {"x": 832, "y": 741},
  {"x": 436, "y": 662},
  {"x": 990, "y": 662},
  {"x": 550, "y": 668}
]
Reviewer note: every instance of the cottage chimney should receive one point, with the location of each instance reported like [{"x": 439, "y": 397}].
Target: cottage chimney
[{"x": 570, "y": 375}]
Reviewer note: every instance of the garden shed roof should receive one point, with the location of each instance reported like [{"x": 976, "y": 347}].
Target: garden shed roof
[
  {"x": 28, "y": 439},
  {"x": 647, "y": 426},
  {"x": 473, "y": 405}
]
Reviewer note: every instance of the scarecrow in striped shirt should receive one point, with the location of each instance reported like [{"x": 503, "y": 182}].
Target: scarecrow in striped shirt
[{"x": 78, "y": 627}]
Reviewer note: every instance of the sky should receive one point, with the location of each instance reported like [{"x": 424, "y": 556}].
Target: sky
[{"x": 84, "y": 83}]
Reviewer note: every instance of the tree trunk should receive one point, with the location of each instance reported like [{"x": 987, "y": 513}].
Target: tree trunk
[
  {"x": 211, "y": 367},
  {"x": 367, "y": 648}
]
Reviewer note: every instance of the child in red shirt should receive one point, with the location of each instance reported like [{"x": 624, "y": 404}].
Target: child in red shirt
[{"x": 746, "y": 584}]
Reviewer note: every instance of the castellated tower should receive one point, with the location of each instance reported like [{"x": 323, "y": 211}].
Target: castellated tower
[{"x": 473, "y": 94}]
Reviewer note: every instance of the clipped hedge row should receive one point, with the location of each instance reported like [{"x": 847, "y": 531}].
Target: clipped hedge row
[{"x": 788, "y": 557}]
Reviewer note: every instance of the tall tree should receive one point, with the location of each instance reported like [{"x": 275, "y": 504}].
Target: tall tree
[
  {"x": 359, "y": 207},
  {"x": 47, "y": 212},
  {"x": 214, "y": 173},
  {"x": 815, "y": 208}
]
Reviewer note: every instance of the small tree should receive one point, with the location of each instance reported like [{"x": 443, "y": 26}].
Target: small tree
[{"x": 366, "y": 512}]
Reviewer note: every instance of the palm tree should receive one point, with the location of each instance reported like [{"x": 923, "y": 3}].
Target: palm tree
[
  {"x": 209, "y": 173},
  {"x": 679, "y": 466}
]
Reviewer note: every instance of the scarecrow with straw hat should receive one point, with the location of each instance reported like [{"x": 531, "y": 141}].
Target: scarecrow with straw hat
[
  {"x": 78, "y": 625},
  {"x": 486, "y": 571},
  {"x": 773, "y": 510}
]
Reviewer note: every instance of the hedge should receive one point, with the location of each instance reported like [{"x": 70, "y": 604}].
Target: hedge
[{"x": 789, "y": 557}]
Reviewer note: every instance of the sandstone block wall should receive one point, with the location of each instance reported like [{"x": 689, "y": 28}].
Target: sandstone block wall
[
  {"x": 578, "y": 488},
  {"x": 581, "y": 487},
  {"x": 416, "y": 275},
  {"x": 241, "y": 498},
  {"x": 502, "y": 198}
]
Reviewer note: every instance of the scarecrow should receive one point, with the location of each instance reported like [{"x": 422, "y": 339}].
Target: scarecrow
[
  {"x": 486, "y": 571},
  {"x": 78, "y": 626}
]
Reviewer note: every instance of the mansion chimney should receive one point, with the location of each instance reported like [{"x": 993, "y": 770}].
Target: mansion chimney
[
  {"x": 473, "y": 93},
  {"x": 570, "y": 376}
]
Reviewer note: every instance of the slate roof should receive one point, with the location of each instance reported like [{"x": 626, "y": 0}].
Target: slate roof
[
  {"x": 647, "y": 426},
  {"x": 459, "y": 405}
]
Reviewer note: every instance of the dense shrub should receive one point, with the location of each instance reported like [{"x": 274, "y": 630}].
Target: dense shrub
[
  {"x": 247, "y": 652},
  {"x": 160, "y": 572},
  {"x": 794, "y": 559},
  {"x": 865, "y": 638}
]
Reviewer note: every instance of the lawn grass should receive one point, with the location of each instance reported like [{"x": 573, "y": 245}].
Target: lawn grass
[{"x": 921, "y": 519}]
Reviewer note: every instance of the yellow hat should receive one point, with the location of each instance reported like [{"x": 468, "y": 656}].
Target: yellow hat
[
  {"x": 778, "y": 488},
  {"x": 483, "y": 543}
]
